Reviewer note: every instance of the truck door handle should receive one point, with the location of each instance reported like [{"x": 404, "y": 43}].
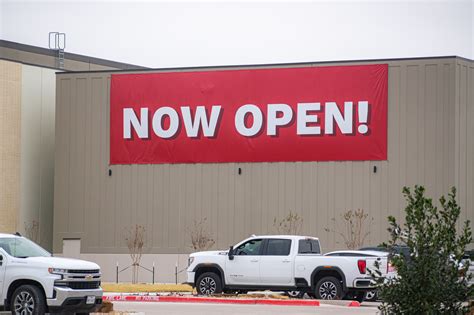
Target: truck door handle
[
  {"x": 286, "y": 261},
  {"x": 254, "y": 260}
]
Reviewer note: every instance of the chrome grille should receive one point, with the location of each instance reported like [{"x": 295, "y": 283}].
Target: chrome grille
[
  {"x": 80, "y": 279},
  {"x": 83, "y": 285},
  {"x": 83, "y": 271}
]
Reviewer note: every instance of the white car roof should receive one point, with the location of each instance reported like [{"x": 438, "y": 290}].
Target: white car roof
[
  {"x": 4, "y": 235},
  {"x": 284, "y": 236}
]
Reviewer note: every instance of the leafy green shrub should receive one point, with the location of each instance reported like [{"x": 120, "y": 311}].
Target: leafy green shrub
[{"x": 432, "y": 280}]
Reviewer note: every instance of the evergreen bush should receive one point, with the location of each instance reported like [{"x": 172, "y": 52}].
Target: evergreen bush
[{"x": 434, "y": 278}]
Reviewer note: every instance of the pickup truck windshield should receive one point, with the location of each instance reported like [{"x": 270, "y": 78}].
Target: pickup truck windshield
[{"x": 22, "y": 248}]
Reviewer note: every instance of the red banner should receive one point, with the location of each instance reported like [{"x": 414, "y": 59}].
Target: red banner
[{"x": 257, "y": 115}]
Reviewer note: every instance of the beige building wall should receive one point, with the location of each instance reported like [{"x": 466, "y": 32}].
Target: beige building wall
[
  {"x": 37, "y": 154},
  {"x": 27, "y": 122},
  {"x": 10, "y": 130},
  {"x": 464, "y": 136},
  {"x": 27, "y": 105},
  {"x": 27, "y": 111},
  {"x": 430, "y": 102}
]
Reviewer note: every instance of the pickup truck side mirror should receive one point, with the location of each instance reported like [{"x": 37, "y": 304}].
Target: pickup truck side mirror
[
  {"x": 231, "y": 253},
  {"x": 1, "y": 260}
]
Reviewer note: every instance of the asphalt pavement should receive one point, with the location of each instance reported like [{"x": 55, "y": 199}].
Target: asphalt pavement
[{"x": 161, "y": 308}]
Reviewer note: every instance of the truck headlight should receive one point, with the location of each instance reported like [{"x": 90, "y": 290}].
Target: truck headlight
[
  {"x": 57, "y": 271},
  {"x": 190, "y": 261}
]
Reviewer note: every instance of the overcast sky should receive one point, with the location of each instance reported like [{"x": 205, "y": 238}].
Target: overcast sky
[{"x": 198, "y": 33}]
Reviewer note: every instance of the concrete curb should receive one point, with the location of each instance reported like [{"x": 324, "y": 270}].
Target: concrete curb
[
  {"x": 341, "y": 303},
  {"x": 186, "y": 299}
]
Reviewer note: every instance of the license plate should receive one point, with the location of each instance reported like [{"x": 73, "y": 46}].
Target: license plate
[{"x": 90, "y": 300}]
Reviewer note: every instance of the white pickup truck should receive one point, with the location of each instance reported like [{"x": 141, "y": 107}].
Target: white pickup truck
[
  {"x": 281, "y": 263},
  {"x": 32, "y": 282}
]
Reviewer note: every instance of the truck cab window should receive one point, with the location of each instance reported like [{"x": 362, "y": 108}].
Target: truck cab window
[
  {"x": 278, "y": 247},
  {"x": 250, "y": 248},
  {"x": 309, "y": 246}
]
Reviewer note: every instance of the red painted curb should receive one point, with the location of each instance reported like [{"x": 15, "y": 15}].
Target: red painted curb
[
  {"x": 354, "y": 304},
  {"x": 185, "y": 299}
]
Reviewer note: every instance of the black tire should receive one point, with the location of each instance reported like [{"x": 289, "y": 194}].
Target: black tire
[
  {"x": 28, "y": 298},
  {"x": 82, "y": 313},
  {"x": 371, "y": 296},
  {"x": 328, "y": 288},
  {"x": 209, "y": 283},
  {"x": 295, "y": 294},
  {"x": 359, "y": 297}
]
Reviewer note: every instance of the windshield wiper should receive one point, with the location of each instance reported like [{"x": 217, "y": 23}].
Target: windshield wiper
[{"x": 21, "y": 256}]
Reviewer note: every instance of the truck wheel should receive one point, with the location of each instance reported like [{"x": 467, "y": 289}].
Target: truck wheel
[
  {"x": 359, "y": 297},
  {"x": 371, "y": 296},
  {"x": 209, "y": 283},
  {"x": 328, "y": 288},
  {"x": 295, "y": 294},
  {"x": 28, "y": 300}
]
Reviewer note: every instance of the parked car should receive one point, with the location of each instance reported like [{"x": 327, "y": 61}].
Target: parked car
[
  {"x": 34, "y": 282},
  {"x": 405, "y": 252},
  {"x": 281, "y": 263},
  {"x": 469, "y": 258},
  {"x": 397, "y": 249}
]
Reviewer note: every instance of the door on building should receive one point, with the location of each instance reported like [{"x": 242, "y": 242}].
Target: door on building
[
  {"x": 244, "y": 269},
  {"x": 276, "y": 265}
]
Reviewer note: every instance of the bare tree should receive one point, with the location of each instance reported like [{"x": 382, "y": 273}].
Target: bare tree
[
  {"x": 135, "y": 240},
  {"x": 291, "y": 224},
  {"x": 201, "y": 238},
  {"x": 356, "y": 226},
  {"x": 32, "y": 231}
]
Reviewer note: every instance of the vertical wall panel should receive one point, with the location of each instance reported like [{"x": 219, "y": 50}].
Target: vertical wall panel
[
  {"x": 37, "y": 153},
  {"x": 61, "y": 160},
  {"x": 470, "y": 148},
  {"x": 48, "y": 94},
  {"x": 463, "y": 158},
  {"x": 93, "y": 190},
  {"x": 10, "y": 140},
  {"x": 76, "y": 157},
  {"x": 462, "y": 90},
  {"x": 110, "y": 198},
  {"x": 412, "y": 124}
]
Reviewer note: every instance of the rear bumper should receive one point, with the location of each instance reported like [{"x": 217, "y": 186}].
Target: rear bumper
[
  {"x": 69, "y": 300},
  {"x": 363, "y": 283}
]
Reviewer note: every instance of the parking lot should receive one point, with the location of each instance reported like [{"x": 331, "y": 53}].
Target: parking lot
[{"x": 151, "y": 308}]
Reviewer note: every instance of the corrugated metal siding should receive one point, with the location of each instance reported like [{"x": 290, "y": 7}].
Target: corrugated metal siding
[
  {"x": 424, "y": 147},
  {"x": 464, "y": 140}
]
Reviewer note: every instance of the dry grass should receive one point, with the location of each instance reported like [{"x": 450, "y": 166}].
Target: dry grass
[
  {"x": 144, "y": 287},
  {"x": 156, "y": 288}
]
